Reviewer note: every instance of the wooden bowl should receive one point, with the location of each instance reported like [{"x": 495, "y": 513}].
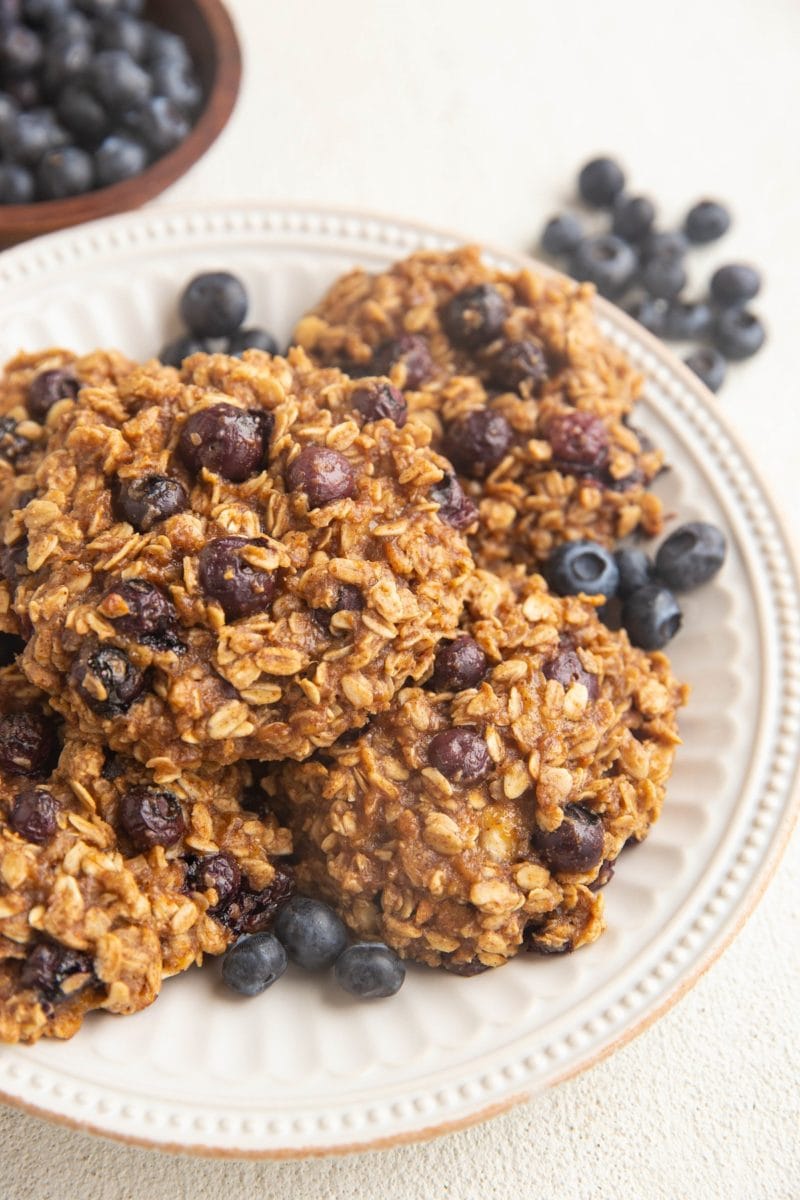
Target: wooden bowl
[{"x": 211, "y": 39}]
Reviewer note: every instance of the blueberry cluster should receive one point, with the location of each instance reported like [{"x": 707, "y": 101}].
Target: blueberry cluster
[
  {"x": 90, "y": 94},
  {"x": 639, "y": 591},
  {"x": 644, "y": 269},
  {"x": 311, "y": 934},
  {"x": 213, "y": 307}
]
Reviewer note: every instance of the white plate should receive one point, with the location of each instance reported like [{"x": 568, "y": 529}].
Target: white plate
[{"x": 303, "y": 1070}]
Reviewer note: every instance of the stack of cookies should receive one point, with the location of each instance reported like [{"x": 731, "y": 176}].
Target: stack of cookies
[{"x": 277, "y": 622}]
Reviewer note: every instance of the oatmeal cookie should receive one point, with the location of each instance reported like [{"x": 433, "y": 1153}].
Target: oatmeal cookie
[
  {"x": 110, "y": 879},
  {"x": 229, "y": 565},
  {"x": 482, "y": 814},
  {"x": 519, "y": 387}
]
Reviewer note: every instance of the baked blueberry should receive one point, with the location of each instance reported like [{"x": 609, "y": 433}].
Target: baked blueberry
[
  {"x": 16, "y": 184},
  {"x": 651, "y": 616},
  {"x": 410, "y": 349},
  {"x": 478, "y": 442},
  {"x": 254, "y": 964},
  {"x": 106, "y": 679},
  {"x": 241, "y": 587},
  {"x": 706, "y": 221},
  {"x": 649, "y": 312},
  {"x": 579, "y": 440},
  {"x": 606, "y": 261},
  {"x": 735, "y": 283},
  {"x": 34, "y": 815},
  {"x": 369, "y": 970},
  {"x": 600, "y": 182},
  {"x": 566, "y": 668},
  {"x": 64, "y": 172},
  {"x": 117, "y": 158},
  {"x": 151, "y": 817},
  {"x": 709, "y": 366},
  {"x": 691, "y": 555},
  {"x": 311, "y": 932},
  {"x": 475, "y": 316},
  {"x": 738, "y": 333},
  {"x": 379, "y": 400},
  {"x": 254, "y": 911},
  {"x": 146, "y": 501},
  {"x": 458, "y": 664},
  {"x": 576, "y": 846},
  {"x": 687, "y": 320},
  {"x": 561, "y": 235},
  {"x": 583, "y": 566},
  {"x": 47, "y": 388},
  {"x": 49, "y": 965},
  {"x": 214, "y": 304},
  {"x": 635, "y": 569},
  {"x": 518, "y": 362},
  {"x": 226, "y": 440},
  {"x": 139, "y": 610},
  {"x": 663, "y": 277},
  {"x": 218, "y": 871},
  {"x": 633, "y": 217},
  {"x": 118, "y": 80},
  {"x": 455, "y": 506},
  {"x": 323, "y": 474},
  {"x": 460, "y": 754},
  {"x": 252, "y": 339},
  {"x": 27, "y": 743}
]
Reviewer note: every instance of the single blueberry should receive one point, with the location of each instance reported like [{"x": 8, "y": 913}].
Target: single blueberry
[
  {"x": 16, "y": 184},
  {"x": 460, "y": 754},
  {"x": 176, "y": 81},
  {"x": 455, "y": 506},
  {"x": 410, "y": 350},
  {"x": 164, "y": 46},
  {"x": 518, "y": 362},
  {"x": 567, "y": 669},
  {"x": 688, "y": 320},
  {"x": 474, "y": 316},
  {"x": 82, "y": 114},
  {"x": 34, "y": 815},
  {"x": 47, "y": 388},
  {"x": 64, "y": 172},
  {"x": 28, "y": 743},
  {"x": 9, "y": 111},
  {"x": 66, "y": 59},
  {"x": 145, "y": 501},
  {"x": 151, "y": 817},
  {"x": 709, "y": 366},
  {"x": 633, "y": 217},
  {"x": 649, "y": 312},
  {"x": 313, "y": 935},
  {"x": 229, "y": 441},
  {"x": 252, "y": 339},
  {"x": 635, "y": 569},
  {"x": 734, "y": 284},
  {"x": 20, "y": 51},
  {"x": 106, "y": 679},
  {"x": 379, "y": 400},
  {"x": 159, "y": 124},
  {"x": 254, "y": 963},
  {"x": 173, "y": 354},
  {"x": 241, "y": 588},
  {"x": 561, "y": 235},
  {"x": 576, "y": 846},
  {"x": 458, "y": 664},
  {"x": 583, "y": 566},
  {"x": 49, "y": 965},
  {"x": 663, "y": 277},
  {"x": 117, "y": 158},
  {"x": 478, "y": 442},
  {"x": 691, "y": 555},
  {"x": 706, "y": 221},
  {"x": 369, "y": 970},
  {"x": 600, "y": 182},
  {"x": 121, "y": 31},
  {"x": 606, "y": 261},
  {"x": 664, "y": 244},
  {"x": 118, "y": 81},
  {"x": 579, "y": 441},
  {"x": 652, "y": 616},
  {"x": 323, "y": 474},
  {"x": 33, "y": 134},
  {"x": 738, "y": 333},
  {"x": 214, "y": 304}
]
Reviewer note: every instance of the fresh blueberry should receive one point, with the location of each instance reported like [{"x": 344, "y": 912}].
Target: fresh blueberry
[
  {"x": 663, "y": 277},
  {"x": 44, "y": 12},
  {"x": 652, "y": 616},
  {"x": 176, "y": 81},
  {"x": 738, "y": 333},
  {"x": 706, "y": 221},
  {"x": 583, "y": 566},
  {"x": 71, "y": 22},
  {"x": 314, "y": 936},
  {"x": 690, "y": 556},
  {"x": 214, "y": 304},
  {"x": 709, "y": 366},
  {"x": 119, "y": 81},
  {"x": 664, "y": 244},
  {"x": 600, "y": 182},
  {"x": 160, "y": 124},
  {"x": 635, "y": 569},
  {"x": 688, "y": 320},
  {"x": 254, "y": 964},
  {"x": 9, "y": 111},
  {"x": 118, "y": 158},
  {"x": 20, "y": 51},
  {"x": 66, "y": 59},
  {"x": 82, "y": 114},
  {"x": 252, "y": 339},
  {"x": 561, "y": 235},
  {"x": 606, "y": 261},
  {"x": 163, "y": 46},
  {"x": 369, "y": 970},
  {"x": 33, "y": 134},
  {"x": 734, "y": 284},
  {"x": 120, "y": 31},
  {"x": 16, "y": 184},
  {"x": 633, "y": 217},
  {"x": 649, "y": 312},
  {"x": 64, "y": 172},
  {"x": 173, "y": 354}
]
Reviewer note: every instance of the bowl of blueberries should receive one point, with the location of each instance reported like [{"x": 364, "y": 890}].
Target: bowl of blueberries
[{"x": 104, "y": 103}]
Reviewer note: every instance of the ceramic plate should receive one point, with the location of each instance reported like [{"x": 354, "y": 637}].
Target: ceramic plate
[{"x": 303, "y": 1069}]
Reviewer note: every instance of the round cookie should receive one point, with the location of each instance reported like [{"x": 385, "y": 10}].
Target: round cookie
[
  {"x": 464, "y": 825},
  {"x": 112, "y": 880},
  {"x": 520, "y": 388},
  {"x": 225, "y": 567}
]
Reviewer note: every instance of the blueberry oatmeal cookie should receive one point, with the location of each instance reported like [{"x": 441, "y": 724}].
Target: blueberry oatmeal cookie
[
  {"x": 111, "y": 880},
  {"x": 483, "y": 812},
  {"x": 226, "y": 565},
  {"x": 521, "y": 391}
]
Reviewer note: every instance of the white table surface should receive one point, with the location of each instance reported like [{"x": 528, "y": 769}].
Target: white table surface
[{"x": 474, "y": 116}]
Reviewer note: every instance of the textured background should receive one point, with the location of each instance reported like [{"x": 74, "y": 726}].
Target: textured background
[{"x": 475, "y": 117}]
